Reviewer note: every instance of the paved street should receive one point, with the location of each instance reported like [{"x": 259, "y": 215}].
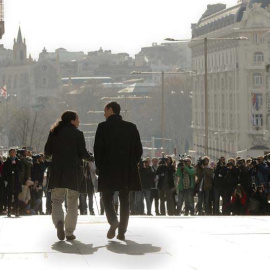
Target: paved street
[{"x": 158, "y": 243}]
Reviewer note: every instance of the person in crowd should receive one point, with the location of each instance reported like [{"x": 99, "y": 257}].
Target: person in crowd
[
  {"x": 89, "y": 175},
  {"x": 37, "y": 175},
  {"x": 171, "y": 178},
  {"x": 118, "y": 150},
  {"x": 154, "y": 190},
  {"x": 258, "y": 204},
  {"x": 244, "y": 177},
  {"x": 263, "y": 170},
  {"x": 165, "y": 180},
  {"x": 26, "y": 164},
  {"x": 238, "y": 204},
  {"x": 66, "y": 145},
  {"x": 147, "y": 179},
  {"x": 218, "y": 183},
  {"x": 2, "y": 187},
  {"x": 25, "y": 198},
  {"x": 11, "y": 174},
  {"x": 230, "y": 183},
  {"x": 185, "y": 185},
  {"x": 204, "y": 175}
]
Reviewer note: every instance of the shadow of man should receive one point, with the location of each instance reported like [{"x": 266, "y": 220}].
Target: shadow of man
[
  {"x": 75, "y": 247},
  {"x": 131, "y": 248}
]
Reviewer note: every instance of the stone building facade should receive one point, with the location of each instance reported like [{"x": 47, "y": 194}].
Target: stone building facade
[{"x": 238, "y": 78}]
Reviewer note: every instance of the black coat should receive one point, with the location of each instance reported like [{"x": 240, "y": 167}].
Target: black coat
[
  {"x": 117, "y": 152},
  {"x": 68, "y": 150},
  {"x": 147, "y": 177},
  {"x": 11, "y": 174}
]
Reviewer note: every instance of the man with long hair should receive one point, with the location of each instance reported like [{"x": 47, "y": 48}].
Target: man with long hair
[
  {"x": 117, "y": 150},
  {"x": 66, "y": 145}
]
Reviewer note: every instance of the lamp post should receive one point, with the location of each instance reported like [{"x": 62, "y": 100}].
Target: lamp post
[
  {"x": 162, "y": 94},
  {"x": 205, "y": 77}
]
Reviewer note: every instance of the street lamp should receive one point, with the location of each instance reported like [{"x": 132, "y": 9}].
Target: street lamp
[
  {"x": 205, "y": 76},
  {"x": 162, "y": 94}
]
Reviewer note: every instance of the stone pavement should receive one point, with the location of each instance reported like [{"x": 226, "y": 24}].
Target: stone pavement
[{"x": 152, "y": 243}]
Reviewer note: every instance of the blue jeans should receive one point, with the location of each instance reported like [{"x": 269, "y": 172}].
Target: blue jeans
[
  {"x": 186, "y": 195},
  {"x": 139, "y": 199},
  {"x": 83, "y": 203}
]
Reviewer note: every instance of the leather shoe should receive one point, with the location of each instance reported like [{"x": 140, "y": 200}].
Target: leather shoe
[
  {"x": 113, "y": 228},
  {"x": 60, "y": 230},
  {"x": 121, "y": 237},
  {"x": 71, "y": 237}
]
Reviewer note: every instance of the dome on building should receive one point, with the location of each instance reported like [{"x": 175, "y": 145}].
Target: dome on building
[{"x": 264, "y": 3}]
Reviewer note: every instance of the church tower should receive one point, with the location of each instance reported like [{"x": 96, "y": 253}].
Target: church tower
[{"x": 19, "y": 50}]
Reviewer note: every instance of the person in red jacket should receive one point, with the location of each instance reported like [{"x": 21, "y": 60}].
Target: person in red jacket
[{"x": 238, "y": 204}]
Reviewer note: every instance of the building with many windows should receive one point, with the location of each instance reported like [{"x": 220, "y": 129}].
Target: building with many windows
[{"x": 238, "y": 79}]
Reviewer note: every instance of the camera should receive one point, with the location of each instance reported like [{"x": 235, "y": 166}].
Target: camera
[
  {"x": 238, "y": 188},
  {"x": 20, "y": 152},
  {"x": 200, "y": 162},
  {"x": 229, "y": 164}
]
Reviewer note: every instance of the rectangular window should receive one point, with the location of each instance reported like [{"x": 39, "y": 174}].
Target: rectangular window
[
  {"x": 257, "y": 79},
  {"x": 257, "y": 101},
  {"x": 257, "y": 120}
]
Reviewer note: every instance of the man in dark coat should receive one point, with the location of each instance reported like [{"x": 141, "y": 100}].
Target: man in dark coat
[
  {"x": 66, "y": 145},
  {"x": 117, "y": 151},
  {"x": 11, "y": 171}
]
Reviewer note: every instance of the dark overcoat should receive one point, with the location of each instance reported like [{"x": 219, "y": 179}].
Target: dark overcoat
[
  {"x": 117, "y": 151},
  {"x": 11, "y": 174},
  {"x": 68, "y": 150}
]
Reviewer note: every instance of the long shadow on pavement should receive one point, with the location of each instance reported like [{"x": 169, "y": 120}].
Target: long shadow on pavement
[
  {"x": 131, "y": 248},
  {"x": 75, "y": 247}
]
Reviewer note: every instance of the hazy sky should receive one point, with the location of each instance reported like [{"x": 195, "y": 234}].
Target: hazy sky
[{"x": 87, "y": 25}]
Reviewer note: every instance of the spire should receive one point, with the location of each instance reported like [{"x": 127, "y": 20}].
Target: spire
[{"x": 19, "y": 37}]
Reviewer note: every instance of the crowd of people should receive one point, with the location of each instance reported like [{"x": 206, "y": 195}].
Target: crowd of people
[{"x": 173, "y": 187}]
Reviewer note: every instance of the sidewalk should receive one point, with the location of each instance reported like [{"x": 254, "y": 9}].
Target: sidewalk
[{"x": 152, "y": 243}]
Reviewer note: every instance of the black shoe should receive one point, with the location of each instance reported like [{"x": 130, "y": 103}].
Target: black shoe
[
  {"x": 113, "y": 228},
  {"x": 17, "y": 214},
  {"x": 71, "y": 237},
  {"x": 121, "y": 237},
  {"x": 60, "y": 230}
]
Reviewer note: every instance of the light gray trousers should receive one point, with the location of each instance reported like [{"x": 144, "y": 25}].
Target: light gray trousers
[{"x": 58, "y": 197}]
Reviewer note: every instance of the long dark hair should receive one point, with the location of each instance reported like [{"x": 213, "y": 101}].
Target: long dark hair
[{"x": 66, "y": 118}]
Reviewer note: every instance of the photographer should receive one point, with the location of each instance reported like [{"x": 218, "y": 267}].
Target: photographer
[
  {"x": 244, "y": 177},
  {"x": 231, "y": 181},
  {"x": 218, "y": 183},
  {"x": 37, "y": 175},
  {"x": 263, "y": 170},
  {"x": 204, "y": 174},
  {"x": 26, "y": 164},
  {"x": 185, "y": 185},
  {"x": 89, "y": 177},
  {"x": 238, "y": 204},
  {"x": 154, "y": 189},
  {"x": 258, "y": 204},
  {"x": 165, "y": 187},
  {"x": 147, "y": 177}
]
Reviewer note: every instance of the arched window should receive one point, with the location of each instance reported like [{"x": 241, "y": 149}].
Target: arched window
[{"x": 258, "y": 57}]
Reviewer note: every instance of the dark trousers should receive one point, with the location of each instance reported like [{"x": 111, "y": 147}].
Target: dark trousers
[
  {"x": 132, "y": 203},
  {"x": 226, "y": 198},
  {"x": 2, "y": 189},
  {"x": 217, "y": 194},
  {"x": 107, "y": 197},
  {"x": 49, "y": 202},
  {"x": 16, "y": 201},
  {"x": 204, "y": 198},
  {"x": 154, "y": 196},
  {"x": 83, "y": 203}
]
